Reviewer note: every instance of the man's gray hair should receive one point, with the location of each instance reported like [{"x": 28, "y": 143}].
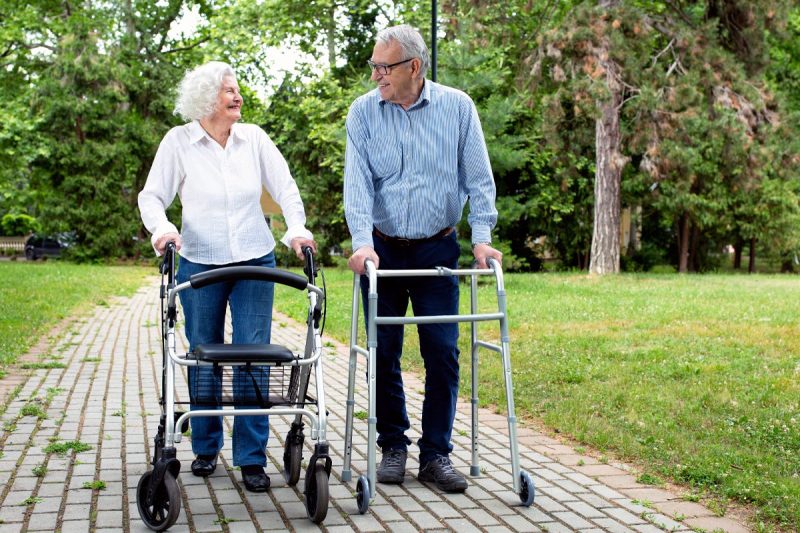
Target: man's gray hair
[
  {"x": 199, "y": 88},
  {"x": 410, "y": 41}
]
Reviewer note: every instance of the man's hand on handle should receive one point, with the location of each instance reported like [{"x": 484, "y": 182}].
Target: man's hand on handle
[
  {"x": 482, "y": 252},
  {"x": 298, "y": 243},
  {"x": 161, "y": 242},
  {"x": 359, "y": 257}
]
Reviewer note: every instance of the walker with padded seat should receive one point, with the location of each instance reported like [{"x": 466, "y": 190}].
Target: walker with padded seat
[
  {"x": 365, "y": 487},
  {"x": 261, "y": 379}
]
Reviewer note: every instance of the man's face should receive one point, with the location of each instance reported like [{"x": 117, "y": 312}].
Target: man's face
[{"x": 398, "y": 85}]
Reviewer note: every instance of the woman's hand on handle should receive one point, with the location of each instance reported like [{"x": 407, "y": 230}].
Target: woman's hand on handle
[
  {"x": 298, "y": 243},
  {"x": 161, "y": 242},
  {"x": 357, "y": 261}
]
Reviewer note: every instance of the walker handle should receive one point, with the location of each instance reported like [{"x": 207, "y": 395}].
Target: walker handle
[
  {"x": 258, "y": 273},
  {"x": 168, "y": 263},
  {"x": 310, "y": 269}
]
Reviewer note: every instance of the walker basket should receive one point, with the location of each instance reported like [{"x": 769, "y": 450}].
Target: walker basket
[{"x": 253, "y": 386}]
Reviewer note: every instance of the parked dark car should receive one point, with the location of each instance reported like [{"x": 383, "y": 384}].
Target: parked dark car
[{"x": 45, "y": 246}]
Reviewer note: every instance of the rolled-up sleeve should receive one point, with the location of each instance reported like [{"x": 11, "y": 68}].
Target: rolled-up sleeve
[
  {"x": 280, "y": 184},
  {"x": 359, "y": 191}
]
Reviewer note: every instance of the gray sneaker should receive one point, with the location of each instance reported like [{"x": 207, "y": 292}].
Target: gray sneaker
[
  {"x": 392, "y": 469},
  {"x": 440, "y": 471}
]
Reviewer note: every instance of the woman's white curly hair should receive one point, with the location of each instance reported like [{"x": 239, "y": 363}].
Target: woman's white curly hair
[{"x": 198, "y": 90}]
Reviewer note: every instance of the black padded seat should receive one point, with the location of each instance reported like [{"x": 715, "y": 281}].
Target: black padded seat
[{"x": 244, "y": 353}]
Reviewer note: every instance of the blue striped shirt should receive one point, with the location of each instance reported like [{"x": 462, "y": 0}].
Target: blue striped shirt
[{"x": 410, "y": 172}]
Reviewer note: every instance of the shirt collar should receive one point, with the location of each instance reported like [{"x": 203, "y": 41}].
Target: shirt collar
[
  {"x": 197, "y": 132},
  {"x": 424, "y": 96},
  {"x": 237, "y": 133}
]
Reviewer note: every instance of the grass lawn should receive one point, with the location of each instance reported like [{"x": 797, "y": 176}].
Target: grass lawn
[
  {"x": 696, "y": 379},
  {"x": 35, "y": 296}
]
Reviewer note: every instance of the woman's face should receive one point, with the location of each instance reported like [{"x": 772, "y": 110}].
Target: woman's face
[{"x": 229, "y": 101}]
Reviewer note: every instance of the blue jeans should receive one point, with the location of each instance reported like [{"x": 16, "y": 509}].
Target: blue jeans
[
  {"x": 251, "y": 314},
  {"x": 438, "y": 345}
]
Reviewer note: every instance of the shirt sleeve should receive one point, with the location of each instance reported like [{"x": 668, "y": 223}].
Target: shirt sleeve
[
  {"x": 475, "y": 173},
  {"x": 278, "y": 181},
  {"x": 160, "y": 189},
  {"x": 359, "y": 189}
]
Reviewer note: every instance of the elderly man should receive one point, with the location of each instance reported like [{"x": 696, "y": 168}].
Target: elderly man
[{"x": 415, "y": 153}]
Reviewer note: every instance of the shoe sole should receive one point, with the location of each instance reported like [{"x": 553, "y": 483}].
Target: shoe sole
[
  {"x": 452, "y": 487},
  {"x": 393, "y": 480},
  {"x": 203, "y": 474}
]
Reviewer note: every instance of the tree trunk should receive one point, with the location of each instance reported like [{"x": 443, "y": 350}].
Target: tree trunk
[
  {"x": 751, "y": 267},
  {"x": 737, "y": 253},
  {"x": 683, "y": 244},
  {"x": 636, "y": 229},
  {"x": 609, "y": 164},
  {"x": 330, "y": 35},
  {"x": 694, "y": 249}
]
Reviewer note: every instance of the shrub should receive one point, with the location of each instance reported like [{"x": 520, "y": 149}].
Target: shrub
[{"x": 18, "y": 224}]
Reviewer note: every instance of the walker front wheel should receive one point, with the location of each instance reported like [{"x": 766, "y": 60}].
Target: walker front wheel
[
  {"x": 527, "y": 491},
  {"x": 362, "y": 494},
  {"x": 317, "y": 493},
  {"x": 165, "y": 505}
]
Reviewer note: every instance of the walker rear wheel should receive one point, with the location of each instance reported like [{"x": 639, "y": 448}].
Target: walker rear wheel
[
  {"x": 292, "y": 459},
  {"x": 160, "y": 513}
]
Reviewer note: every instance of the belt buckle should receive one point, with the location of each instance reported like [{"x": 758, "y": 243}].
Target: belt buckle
[{"x": 401, "y": 241}]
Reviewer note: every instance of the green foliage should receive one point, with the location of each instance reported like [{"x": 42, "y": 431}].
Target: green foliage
[
  {"x": 62, "y": 447},
  {"x": 33, "y": 409},
  {"x": 306, "y": 121},
  {"x": 708, "y": 125},
  {"x": 18, "y": 224}
]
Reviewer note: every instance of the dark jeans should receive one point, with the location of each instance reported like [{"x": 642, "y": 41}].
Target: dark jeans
[
  {"x": 251, "y": 315},
  {"x": 438, "y": 344}
]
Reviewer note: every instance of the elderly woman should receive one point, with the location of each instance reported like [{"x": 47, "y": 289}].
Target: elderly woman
[{"x": 218, "y": 166}]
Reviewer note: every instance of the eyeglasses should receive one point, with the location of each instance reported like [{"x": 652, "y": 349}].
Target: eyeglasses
[{"x": 383, "y": 70}]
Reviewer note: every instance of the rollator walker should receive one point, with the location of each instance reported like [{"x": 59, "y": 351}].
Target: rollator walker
[
  {"x": 365, "y": 487},
  {"x": 260, "y": 379}
]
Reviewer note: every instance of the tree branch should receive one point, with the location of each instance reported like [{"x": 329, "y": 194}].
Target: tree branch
[
  {"x": 185, "y": 48},
  {"x": 676, "y": 65},
  {"x": 31, "y": 46},
  {"x": 664, "y": 51},
  {"x": 681, "y": 13}
]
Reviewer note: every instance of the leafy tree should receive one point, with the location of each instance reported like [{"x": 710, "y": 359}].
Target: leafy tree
[
  {"x": 101, "y": 103},
  {"x": 694, "y": 118}
]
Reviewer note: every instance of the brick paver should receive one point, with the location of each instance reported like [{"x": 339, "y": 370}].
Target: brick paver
[{"x": 89, "y": 420}]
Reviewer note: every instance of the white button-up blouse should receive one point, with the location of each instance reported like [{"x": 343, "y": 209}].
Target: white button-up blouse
[{"x": 220, "y": 191}]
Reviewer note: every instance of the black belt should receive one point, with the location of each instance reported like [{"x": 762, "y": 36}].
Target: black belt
[{"x": 402, "y": 241}]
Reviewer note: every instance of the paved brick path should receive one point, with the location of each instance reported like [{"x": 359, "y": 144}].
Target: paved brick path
[{"x": 102, "y": 391}]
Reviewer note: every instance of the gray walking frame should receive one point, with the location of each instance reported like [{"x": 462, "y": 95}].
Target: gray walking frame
[{"x": 365, "y": 487}]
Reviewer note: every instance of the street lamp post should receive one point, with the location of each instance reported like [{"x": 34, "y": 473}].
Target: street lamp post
[{"x": 434, "y": 27}]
